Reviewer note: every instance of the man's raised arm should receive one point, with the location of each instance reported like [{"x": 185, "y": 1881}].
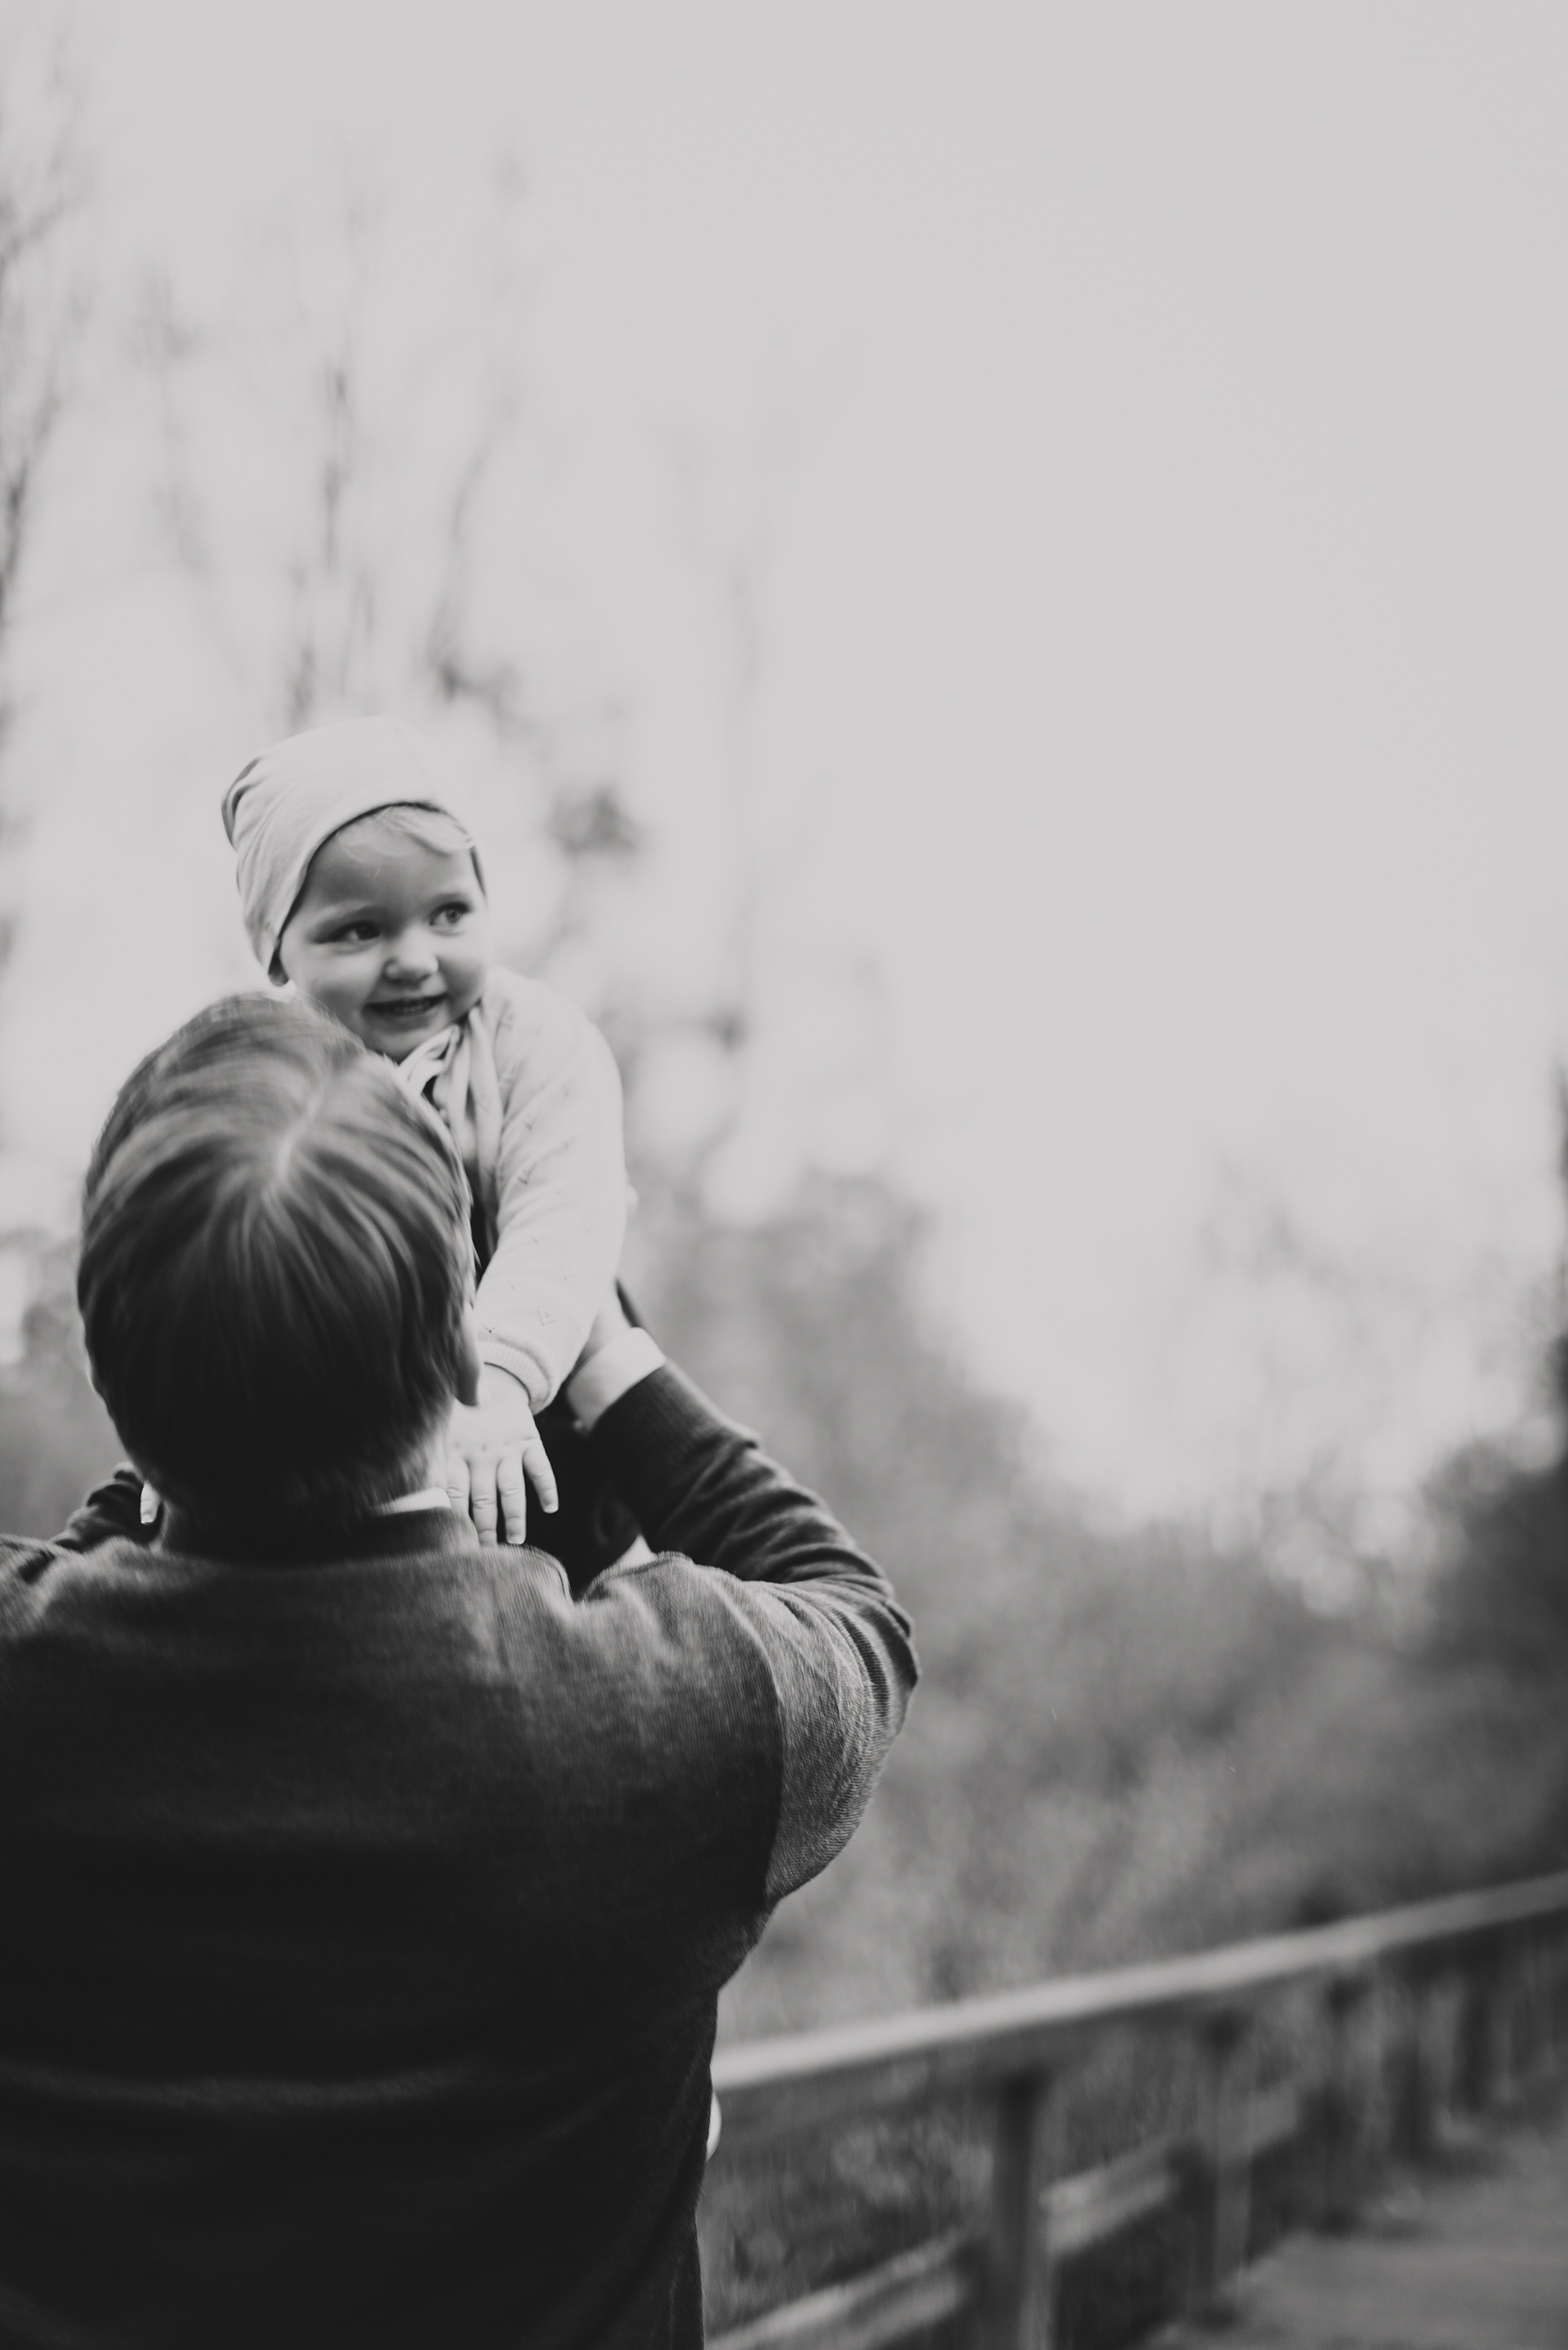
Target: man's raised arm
[{"x": 838, "y": 1646}]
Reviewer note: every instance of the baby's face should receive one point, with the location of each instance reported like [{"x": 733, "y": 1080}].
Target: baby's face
[{"x": 392, "y": 937}]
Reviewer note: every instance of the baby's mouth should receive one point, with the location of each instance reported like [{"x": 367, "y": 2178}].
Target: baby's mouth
[{"x": 407, "y": 1010}]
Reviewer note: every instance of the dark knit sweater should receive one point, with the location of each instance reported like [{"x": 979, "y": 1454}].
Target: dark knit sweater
[{"x": 366, "y": 1911}]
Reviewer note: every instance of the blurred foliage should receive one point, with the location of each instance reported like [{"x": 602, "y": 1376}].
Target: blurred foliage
[
  {"x": 44, "y": 186},
  {"x": 1500, "y": 1590},
  {"x": 1126, "y": 1741},
  {"x": 55, "y": 1439}
]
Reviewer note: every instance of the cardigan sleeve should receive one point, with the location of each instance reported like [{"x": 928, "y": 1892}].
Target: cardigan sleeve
[
  {"x": 838, "y": 1649},
  {"x": 560, "y": 1185}
]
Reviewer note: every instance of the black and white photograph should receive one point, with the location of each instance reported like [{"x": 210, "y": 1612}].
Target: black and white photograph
[{"x": 783, "y": 1175}]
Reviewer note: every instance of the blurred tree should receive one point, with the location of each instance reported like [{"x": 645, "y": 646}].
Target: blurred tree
[
  {"x": 348, "y": 494},
  {"x": 52, "y": 1428},
  {"x": 44, "y": 186},
  {"x": 56, "y": 1440},
  {"x": 334, "y": 482},
  {"x": 1500, "y": 1589}
]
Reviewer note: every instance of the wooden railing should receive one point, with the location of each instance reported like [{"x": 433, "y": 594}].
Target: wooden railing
[{"x": 1468, "y": 1998}]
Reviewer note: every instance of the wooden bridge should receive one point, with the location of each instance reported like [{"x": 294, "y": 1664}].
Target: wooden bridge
[{"x": 1314, "y": 2060}]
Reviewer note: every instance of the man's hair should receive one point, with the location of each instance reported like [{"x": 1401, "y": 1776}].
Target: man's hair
[{"x": 275, "y": 1265}]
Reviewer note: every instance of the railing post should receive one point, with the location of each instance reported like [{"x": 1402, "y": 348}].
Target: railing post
[
  {"x": 1482, "y": 2055},
  {"x": 1550, "y": 1949},
  {"x": 1224, "y": 2158},
  {"x": 1016, "y": 2308},
  {"x": 1514, "y": 2052},
  {"x": 1413, "y": 2100},
  {"x": 1341, "y": 2107},
  {"x": 1526, "y": 2031}
]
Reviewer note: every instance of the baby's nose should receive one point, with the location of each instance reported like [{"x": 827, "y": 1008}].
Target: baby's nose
[{"x": 412, "y": 950}]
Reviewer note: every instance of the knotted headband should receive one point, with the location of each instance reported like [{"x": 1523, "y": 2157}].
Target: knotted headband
[{"x": 291, "y": 798}]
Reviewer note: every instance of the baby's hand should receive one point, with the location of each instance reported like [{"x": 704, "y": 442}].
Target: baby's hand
[{"x": 490, "y": 1446}]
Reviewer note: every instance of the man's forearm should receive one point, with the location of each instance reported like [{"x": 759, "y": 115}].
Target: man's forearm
[
  {"x": 699, "y": 1484},
  {"x": 839, "y": 1645}
]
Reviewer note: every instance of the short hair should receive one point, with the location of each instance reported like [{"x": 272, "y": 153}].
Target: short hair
[{"x": 275, "y": 1265}]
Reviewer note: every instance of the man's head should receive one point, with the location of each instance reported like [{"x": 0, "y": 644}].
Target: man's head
[{"x": 275, "y": 1269}]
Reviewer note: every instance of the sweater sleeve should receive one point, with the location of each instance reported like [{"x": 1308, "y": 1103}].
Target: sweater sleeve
[
  {"x": 838, "y": 1646},
  {"x": 561, "y": 1186},
  {"x": 112, "y": 1509}
]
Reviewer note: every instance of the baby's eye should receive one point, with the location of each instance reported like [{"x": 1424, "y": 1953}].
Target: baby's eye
[
  {"x": 355, "y": 934},
  {"x": 448, "y": 917}
]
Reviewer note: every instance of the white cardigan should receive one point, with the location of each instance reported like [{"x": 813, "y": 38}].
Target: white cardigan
[{"x": 531, "y": 1095}]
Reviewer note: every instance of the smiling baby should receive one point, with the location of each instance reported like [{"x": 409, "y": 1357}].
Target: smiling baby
[{"x": 361, "y": 885}]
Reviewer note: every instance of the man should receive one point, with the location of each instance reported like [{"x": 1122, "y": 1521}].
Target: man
[{"x": 368, "y": 1897}]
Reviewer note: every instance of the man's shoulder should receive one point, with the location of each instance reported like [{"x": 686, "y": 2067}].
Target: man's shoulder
[
  {"x": 24, "y": 1557},
  {"x": 32, "y": 1563},
  {"x": 687, "y": 1633},
  {"x": 30, "y": 1570},
  {"x": 674, "y": 1642}
]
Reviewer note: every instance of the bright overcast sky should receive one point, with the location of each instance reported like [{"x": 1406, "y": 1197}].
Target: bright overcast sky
[{"x": 1150, "y": 424}]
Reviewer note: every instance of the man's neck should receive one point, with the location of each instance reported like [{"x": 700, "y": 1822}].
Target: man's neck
[
  {"x": 429, "y": 1497},
  {"x": 421, "y": 1485},
  {"x": 423, "y": 1480}
]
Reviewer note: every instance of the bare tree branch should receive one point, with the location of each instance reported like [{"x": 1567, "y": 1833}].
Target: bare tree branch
[
  {"x": 43, "y": 186},
  {"x": 373, "y": 555}
]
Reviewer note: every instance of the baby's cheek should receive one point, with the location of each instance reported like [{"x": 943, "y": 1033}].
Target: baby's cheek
[{"x": 342, "y": 993}]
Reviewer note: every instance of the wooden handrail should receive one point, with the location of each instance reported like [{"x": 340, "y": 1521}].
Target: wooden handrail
[
  {"x": 1012, "y": 2047},
  {"x": 980, "y": 2039}
]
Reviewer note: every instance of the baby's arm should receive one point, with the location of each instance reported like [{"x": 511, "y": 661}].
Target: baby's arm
[
  {"x": 560, "y": 1206},
  {"x": 560, "y": 1186},
  {"x": 115, "y": 1507}
]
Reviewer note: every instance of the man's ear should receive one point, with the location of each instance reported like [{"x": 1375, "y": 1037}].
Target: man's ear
[{"x": 469, "y": 1365}]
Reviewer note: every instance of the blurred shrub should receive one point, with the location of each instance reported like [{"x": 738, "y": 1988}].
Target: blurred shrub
[
  {"x": 1500, "y": 1590},
  {"x": 1126, "y": 1742},
  {"x": 55, "y": 1439}
]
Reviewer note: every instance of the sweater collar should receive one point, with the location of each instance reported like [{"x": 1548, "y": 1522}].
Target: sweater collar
[{"x": 395, "y": 1535}]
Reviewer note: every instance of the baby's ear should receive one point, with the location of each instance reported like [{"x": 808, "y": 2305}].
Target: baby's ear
[{"x": 276, "y": 971}]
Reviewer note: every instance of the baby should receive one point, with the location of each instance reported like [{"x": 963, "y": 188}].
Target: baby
[{"x": 361, "y": 885}]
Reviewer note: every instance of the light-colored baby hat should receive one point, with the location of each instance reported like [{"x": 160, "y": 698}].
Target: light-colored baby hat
[{"x": 291, "y": 798}]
